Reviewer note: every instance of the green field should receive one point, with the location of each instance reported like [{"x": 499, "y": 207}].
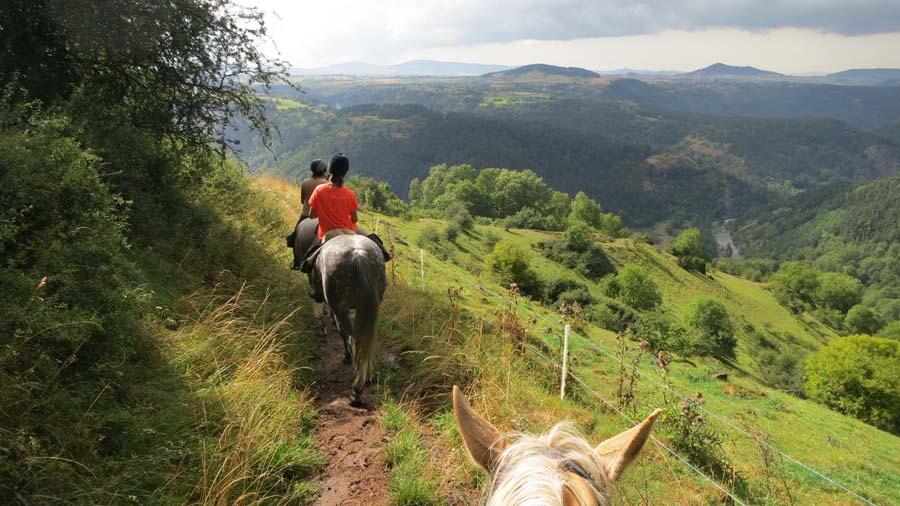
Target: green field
[{"x": 755, "y": 420}]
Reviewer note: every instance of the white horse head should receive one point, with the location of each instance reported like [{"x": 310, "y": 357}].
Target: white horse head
[{"x": 558, "y": 468}]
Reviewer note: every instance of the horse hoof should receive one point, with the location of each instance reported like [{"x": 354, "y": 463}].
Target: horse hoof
[{"x": 359, "y": 403}]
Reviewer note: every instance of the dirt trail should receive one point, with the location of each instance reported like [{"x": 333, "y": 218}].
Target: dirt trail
[{"x": 347, "y": 436}]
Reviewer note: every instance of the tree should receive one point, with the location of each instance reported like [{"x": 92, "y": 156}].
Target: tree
[
  {"x": 890, "y": 331},
  {"x": 858, "y": 375},
  {"x": 633, "y": 286},
  {"x": 578, "y": 236},
  {"x": 838, "y": 291},
  {"x": 182, "y": 69},
  {"x": 709, "y": 318},
  {"x": 862, "y": 320},
  {"x": 586, "y": 210},
  {"x": 795, "y": 281},
  {"x": 690, "y": 250}
]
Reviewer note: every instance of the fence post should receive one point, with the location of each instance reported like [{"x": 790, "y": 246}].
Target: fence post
[
  {"x": 565, "y": 363},
  {"x": 422, "y": 266}
]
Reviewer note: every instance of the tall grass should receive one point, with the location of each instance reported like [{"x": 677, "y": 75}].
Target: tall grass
[{"x": 265, "y": 447}]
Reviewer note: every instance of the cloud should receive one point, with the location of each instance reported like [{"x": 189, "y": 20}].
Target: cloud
[{"x": 373, "y": 28}]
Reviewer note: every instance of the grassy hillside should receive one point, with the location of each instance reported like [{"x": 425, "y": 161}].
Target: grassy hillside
[{"x": 458, "y": 325}]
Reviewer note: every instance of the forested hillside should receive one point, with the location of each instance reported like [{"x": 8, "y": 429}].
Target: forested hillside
[
  {"x": 849, "y": 228},
  {"x": 864, "y": 107},
  {"x": 648, "y": 165}
]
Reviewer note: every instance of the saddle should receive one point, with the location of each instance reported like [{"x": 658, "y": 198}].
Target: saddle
[{"x": 307, "y": 264}]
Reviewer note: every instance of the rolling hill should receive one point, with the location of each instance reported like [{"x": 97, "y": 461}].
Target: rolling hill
[
  {"x": 879, "y": 76},
  {"x": 539, "y": 69},
  {"x": 721, "y": 70}
]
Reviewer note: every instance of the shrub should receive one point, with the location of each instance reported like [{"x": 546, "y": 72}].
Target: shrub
[
  {"x": 691, "y": 250},
  {"x": 429, "y": 236},
  {"x": 612, "y": 315},
  {"x": 862, "y": 320},
  {"x": 578, "y": 237},
  {"x": 457, "y": 214},
  {"x": 699, "y": 441},
  {"x": 709, "y": 318},
  {"x": 511, "y": 265},
  {"x": 858, "y": 375},
  {"x": 490, "y": 240},
  {"x": 452, "y": 231},
  {"x": 662, "y": 334},
  {"x": 591, "y": 263},
  {"x": 633, "y": 286}
]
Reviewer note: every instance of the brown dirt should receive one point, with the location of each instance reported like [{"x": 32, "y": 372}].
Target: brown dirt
[{"x": 346, "y": 435}]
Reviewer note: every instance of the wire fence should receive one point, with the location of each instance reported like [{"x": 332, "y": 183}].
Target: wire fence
[{"x": 419, "y": 279}]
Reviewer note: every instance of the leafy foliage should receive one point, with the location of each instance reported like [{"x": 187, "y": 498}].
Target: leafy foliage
[
  {"x": 709, "y": 318},
  {"x": 858, "y": 375},
  {"x": 862, "y": 320},
  {"x": 510, "y": 264},
  {"x": 633, "y": 286},
  {"x": 691, "y": 250}
]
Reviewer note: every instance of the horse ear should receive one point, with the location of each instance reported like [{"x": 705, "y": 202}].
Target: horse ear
[
  {"x": 482, "y": 439},
  {"x": 618, "y": 451}
]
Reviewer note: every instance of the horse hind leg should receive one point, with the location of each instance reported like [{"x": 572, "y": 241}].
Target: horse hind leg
[{"x": 345, "y": 327}]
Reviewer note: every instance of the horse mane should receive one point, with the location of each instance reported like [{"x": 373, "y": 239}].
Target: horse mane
[{"x": 530, "y": 471}]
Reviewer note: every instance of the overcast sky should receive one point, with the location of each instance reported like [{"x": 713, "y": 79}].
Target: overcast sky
[{"x": 790, "y": 36}]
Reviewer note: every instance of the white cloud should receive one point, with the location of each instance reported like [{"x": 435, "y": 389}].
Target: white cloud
[{"x": 328, "y": 31}]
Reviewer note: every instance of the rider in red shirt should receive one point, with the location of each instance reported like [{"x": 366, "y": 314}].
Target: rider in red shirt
[{"x": 334, "y": 204}]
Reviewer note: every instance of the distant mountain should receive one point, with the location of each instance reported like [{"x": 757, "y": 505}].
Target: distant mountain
[
  {"x": 892, "y": 75},
  {"x": 541, "y": 68},
  {"x": 639, "y": 72},
  {"x": 409, "y": 68},
  {"x": 723, "y": 70}
]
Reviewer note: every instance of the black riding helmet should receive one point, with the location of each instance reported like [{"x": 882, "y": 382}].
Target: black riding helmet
[{"x": 318, "y": 167}]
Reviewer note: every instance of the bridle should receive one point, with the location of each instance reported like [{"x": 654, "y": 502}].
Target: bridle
[{"x": 570, "y": 466}]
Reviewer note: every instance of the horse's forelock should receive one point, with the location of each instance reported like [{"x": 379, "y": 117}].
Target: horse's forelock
[{"x": 530, "y": 470}]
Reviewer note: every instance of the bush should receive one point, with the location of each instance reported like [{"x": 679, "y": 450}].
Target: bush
[
  {"x": 858, "y": 375},
  {"x": 457, "y": 214},
  {"x": 662, "y": 334},
  {"x": 709, "y": 318},
  {"x": 862, "y": 320},
  {"x": 612, "y": 315},
  {"x": 452, "y": 231},
  {"x": 578, "y": 237},
  {"x": 633, "y": 286},
  {"x": 591, "y": 263},
  {"x": 691, "y": 250},
  {"x": 795, "y": 284},
  {"x": 511, "y": 265},
  {"x": 553, "y": 290}
]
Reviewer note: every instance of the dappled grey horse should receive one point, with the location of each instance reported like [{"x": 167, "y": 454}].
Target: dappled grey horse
[{"x": 352, "y": 273}]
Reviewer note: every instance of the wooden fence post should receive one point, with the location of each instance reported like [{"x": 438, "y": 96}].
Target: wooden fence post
[
  {"x": 565, "y": 363},
  {"x": 422, "y": 266}
]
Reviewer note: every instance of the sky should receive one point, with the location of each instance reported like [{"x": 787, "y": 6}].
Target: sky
[{"x": 788, "y": 36}]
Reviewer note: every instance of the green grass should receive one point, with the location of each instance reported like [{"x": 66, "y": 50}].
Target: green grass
[
  {"x": 437, "y": 342},
  {"x": 412, "y": 480}
]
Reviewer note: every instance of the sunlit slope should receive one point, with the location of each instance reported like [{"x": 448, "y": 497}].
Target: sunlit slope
[{"x": 750, "y": 415}]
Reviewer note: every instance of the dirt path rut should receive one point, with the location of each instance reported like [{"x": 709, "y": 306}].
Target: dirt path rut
[{"x": 346, "y": 435}]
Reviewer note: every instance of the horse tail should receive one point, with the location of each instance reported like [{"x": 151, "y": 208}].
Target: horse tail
[{"x": 365, "y": 318}]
